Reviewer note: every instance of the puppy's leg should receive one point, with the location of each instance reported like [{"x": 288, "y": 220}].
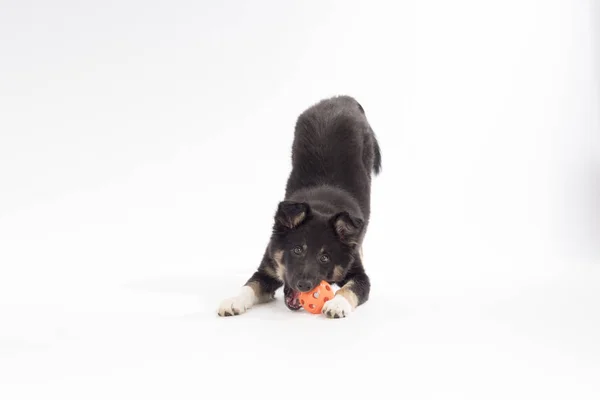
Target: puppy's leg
[
  {"x": 258, "y": 289},
  {"x": 355, "y": 288}
]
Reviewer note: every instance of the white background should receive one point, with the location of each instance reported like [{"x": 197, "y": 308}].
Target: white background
[{"x": 144, "y": 147}]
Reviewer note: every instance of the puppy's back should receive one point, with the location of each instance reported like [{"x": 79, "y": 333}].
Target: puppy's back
[{"x": 334, "y": 145}]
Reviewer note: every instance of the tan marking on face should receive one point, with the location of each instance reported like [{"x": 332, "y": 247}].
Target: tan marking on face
[
  {"x": 348, "y": 294},
  {"x": 271, "y": 270},
  {"x": 298, "y": 219},
  {"x": 338, "y": 273},
  {"x": 280, "y": 267}
]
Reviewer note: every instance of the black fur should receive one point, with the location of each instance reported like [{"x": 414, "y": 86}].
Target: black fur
[{"x": 321, "y": 223}]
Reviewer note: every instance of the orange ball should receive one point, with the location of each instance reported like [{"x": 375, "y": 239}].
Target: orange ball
[{"x": 314, "y": 300}]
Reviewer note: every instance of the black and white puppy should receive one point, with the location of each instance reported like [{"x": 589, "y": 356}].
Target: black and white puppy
[{"x": 319, "y": 227}]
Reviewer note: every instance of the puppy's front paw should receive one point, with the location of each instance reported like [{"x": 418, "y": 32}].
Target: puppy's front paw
[
  {"x": 338, "y": 307},
  {"x": 237, "y": 305},
  {"x": 233, "y": 306}
]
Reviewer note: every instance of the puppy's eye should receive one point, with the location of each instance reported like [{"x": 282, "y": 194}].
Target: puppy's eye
[
  {"x": 297, "y": 250},
  {"x": 324, "y": 259}
]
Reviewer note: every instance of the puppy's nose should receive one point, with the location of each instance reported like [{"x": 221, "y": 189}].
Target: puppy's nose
[{"x": 304, "y": 286}]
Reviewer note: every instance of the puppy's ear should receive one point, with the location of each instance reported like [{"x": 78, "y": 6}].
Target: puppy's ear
[
  {"x": 347, "y": 227},
  {"x": 291, "y": 214}
]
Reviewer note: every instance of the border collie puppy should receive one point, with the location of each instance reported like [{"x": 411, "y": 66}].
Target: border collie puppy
[{"x": 319, "y": 226}]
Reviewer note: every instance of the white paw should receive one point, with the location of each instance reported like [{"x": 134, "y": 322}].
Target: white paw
[
  {"x": 338, "y": 307},
  {"x": 239, "y": 304}
]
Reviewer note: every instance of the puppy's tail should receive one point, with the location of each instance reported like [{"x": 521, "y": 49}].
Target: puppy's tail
[
  {"x": 377, "y": 156},
  {"x": 376, "y": 148}
]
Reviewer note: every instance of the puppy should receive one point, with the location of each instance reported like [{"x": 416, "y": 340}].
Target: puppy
[{"x": 319, "y": 227}]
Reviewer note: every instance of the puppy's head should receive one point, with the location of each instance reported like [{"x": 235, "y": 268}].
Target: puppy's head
[{"x": 313, "y": 247}]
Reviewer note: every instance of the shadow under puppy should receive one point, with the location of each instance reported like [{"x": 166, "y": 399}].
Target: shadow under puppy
[{"x": 319, "y": 227}]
